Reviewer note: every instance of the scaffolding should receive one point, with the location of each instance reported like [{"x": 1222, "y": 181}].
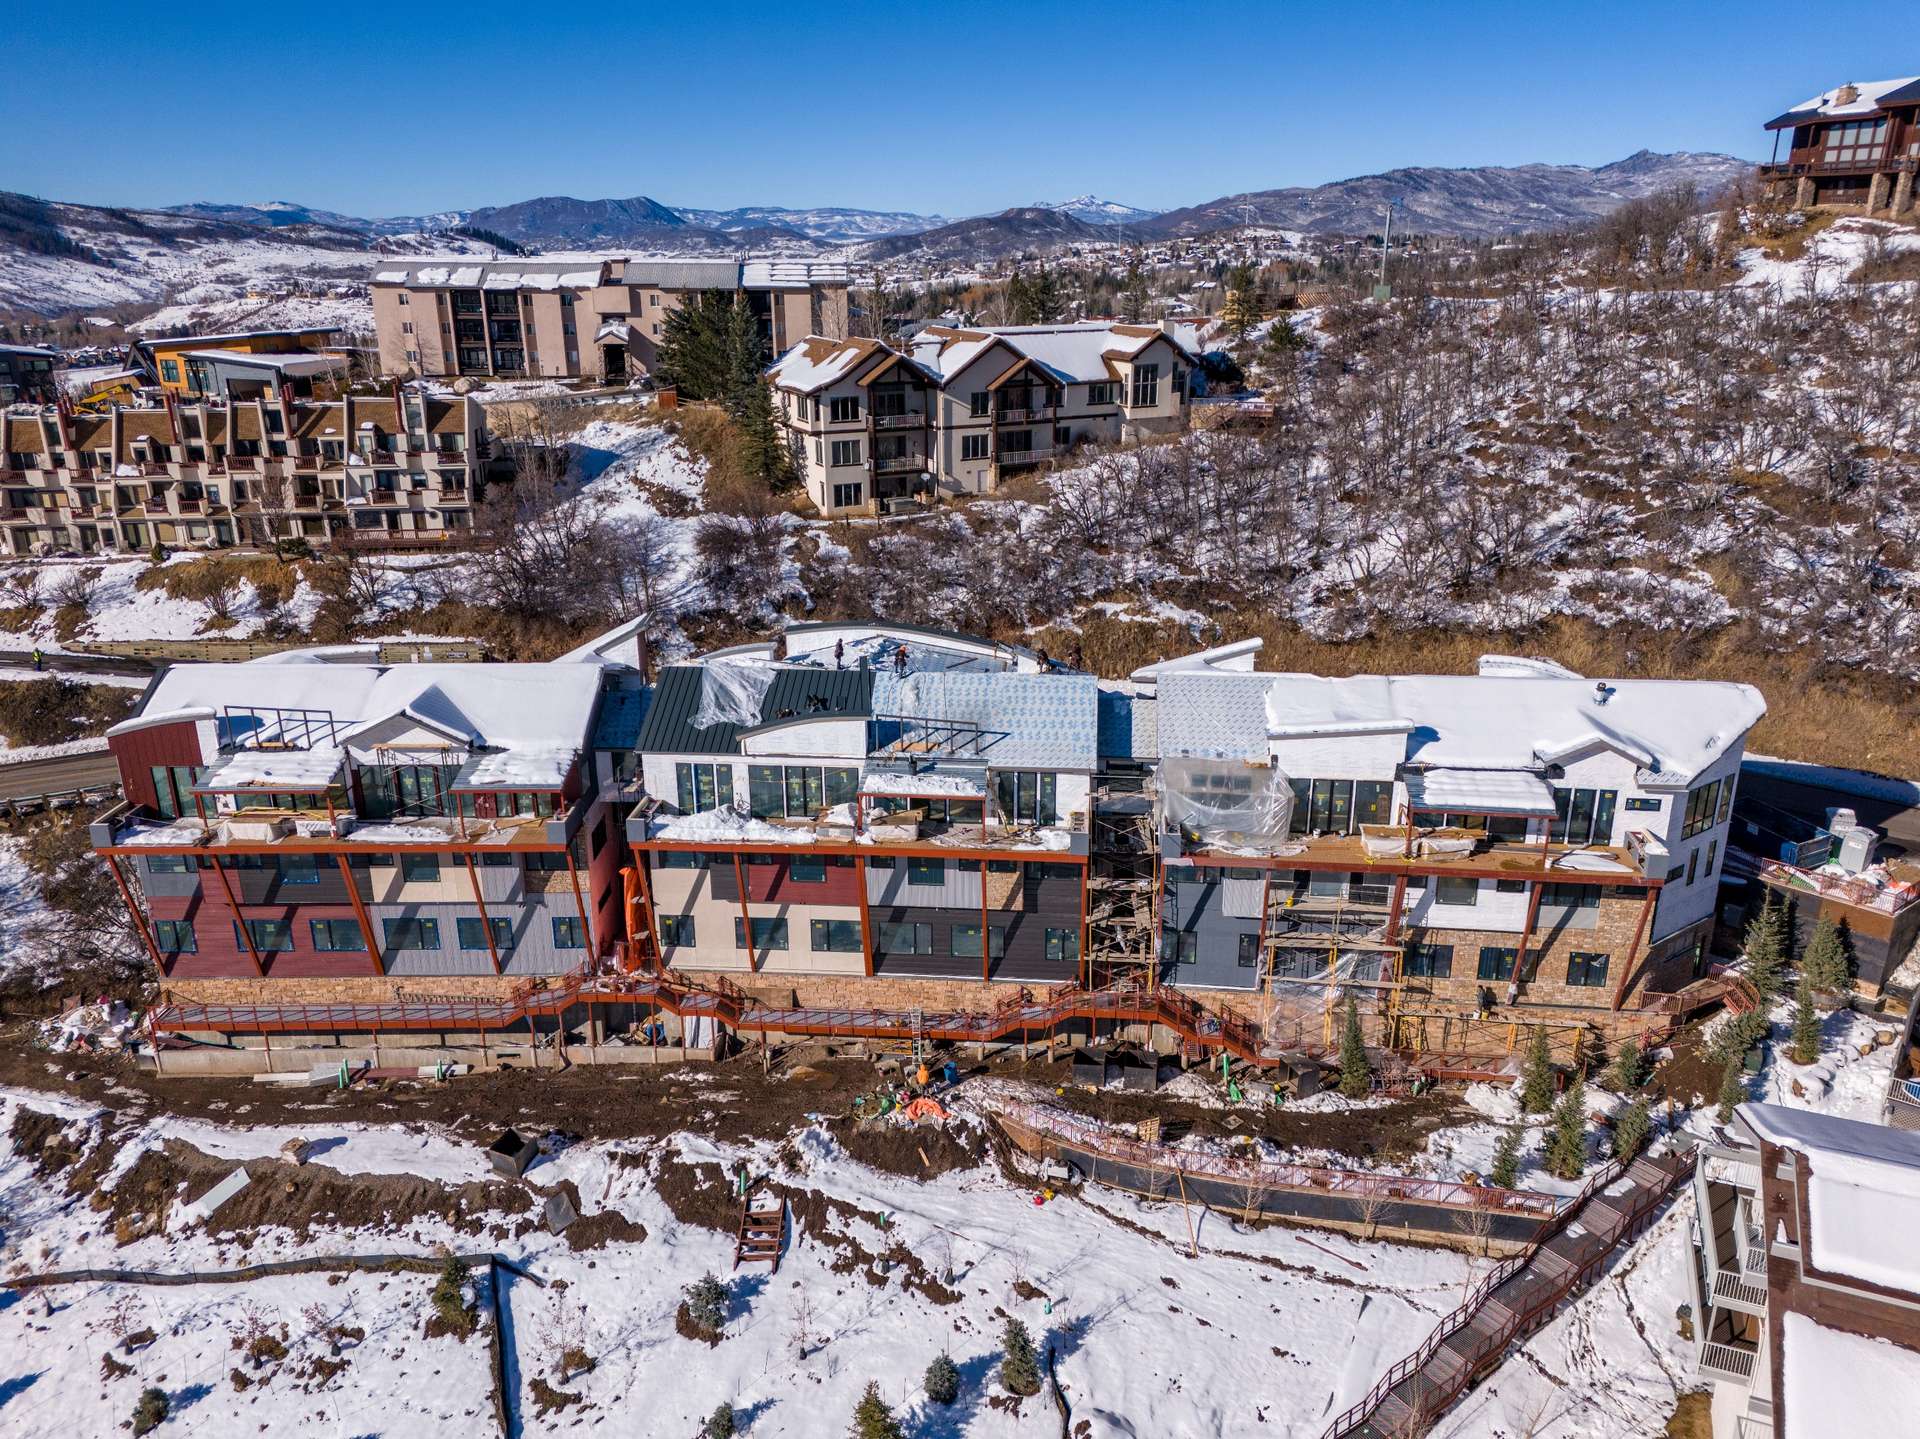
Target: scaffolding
[
  {"x": 1122, "y": 931},
  {"x": 1322, "y": 940}
]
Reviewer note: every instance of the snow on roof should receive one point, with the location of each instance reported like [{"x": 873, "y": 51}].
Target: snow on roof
[
  {"x": 299, "y": 362},
  {"x": 1028, "y": 721},
  {"x": 275, "y": 769},
  {"x": 1236, "y": 657},
  {"x": 31, "y": 351},
  {"x": 727, "y": 826},
  {"x": 1864, "y": 98},
  {"x": 815, "y": 363},
  {"x": 775, "y": 274},
  {"x": 1863, "y": 1191},
  {"x": 1833, "y": 1382},
  {"x": 1671, "y": 729},
  {"x": 205, "y": 691},
  {"x": 1071, "y": 354},
  {"x": 926, "y": 782},
  {"x": 573, "y": 274},
  {"x": 1480, "y": 791}
]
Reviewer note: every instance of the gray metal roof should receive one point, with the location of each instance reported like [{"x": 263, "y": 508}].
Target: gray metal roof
[
  {"x": 683, "y": 274},
  {"x": 797, "y": 692},
  {"x": 1029, "y": 721},
  {"x": 622, "y": 711}
]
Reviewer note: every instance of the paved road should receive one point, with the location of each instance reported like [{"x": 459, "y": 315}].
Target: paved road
[
  {"x": 78, "y": 664},
  {"x": 36, "y": 777},
  {"x": 1900, "y": 823}
]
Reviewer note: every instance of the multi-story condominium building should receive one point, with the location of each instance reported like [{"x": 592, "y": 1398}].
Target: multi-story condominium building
[
  {"x": 397, "y": 468},
  {"x": 1857, "y": 144},
  {"x": 1522, "y": 843},
  {"x": 1805, "y": 1290},
  {"x": 189, "y": 366},
  {"x": 957, "y": 410},
  {"x": 293, "y": 822},
  {"x": 594, "y": 316},
  {"x": 26, "y": 375},
  {"x": 880, "y": 818}
]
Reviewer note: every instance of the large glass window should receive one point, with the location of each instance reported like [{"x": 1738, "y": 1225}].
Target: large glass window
[
  {"x": 411, "y": 934},
  {"x": 1450, "y": 890},
  {"x": 926, "y": 871},
  {"x": 175, "y": 936},
  {"x": 798, "y": 791},
  {"x": 966, "y": 941},
  {"x": 836, "y": 936},
  {"x": 299, "y": 869},
  {"x": 337, "y": 936},
  {"x": 406, "y": 789},
  {"x": 569, "y": 933},
  {"x": 1338, "y": 806},
  {"x": 703, "y": 787},
  {"x": 1702, "y": 811},
  {"x": 270, "y": 936},
  {"x": 1063, "y": 946},
  {"x": 1026, "y": 796},
  {"x": 1497, "y": 963},
  {"x": 903, "y": 938},
  {"x": 424, "y": 868},
  {"x": 1589, "y": 971},
  {"x": 1429, "y": 961},
  {"x": 173, "y": 789},
  {"x": 676, "y": 930},
  {"x": 767, "y": 934},
  {"x": 1582, "y": 816},
  {"x": 471, "y": 934}
]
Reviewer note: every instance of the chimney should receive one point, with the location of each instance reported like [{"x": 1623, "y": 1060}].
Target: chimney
[
  {"x": 1601, "y": 693},
  {"x": 1846, "y": 94}
]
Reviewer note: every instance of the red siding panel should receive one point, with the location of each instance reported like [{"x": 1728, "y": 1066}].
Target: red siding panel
[
  {"x": 773, "y": 884},
  {"x": 221, "y": 955},
  {"x": 138, "y": 751}
]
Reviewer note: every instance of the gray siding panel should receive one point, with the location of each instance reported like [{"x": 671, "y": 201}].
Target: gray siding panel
[
  {"x": 959, "y": 887},
  {"x": 1198, "y": 909},
  {"x": 533, "y": 951}
]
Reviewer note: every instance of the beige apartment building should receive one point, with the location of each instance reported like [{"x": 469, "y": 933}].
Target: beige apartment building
[
  {"x": 956, "y": 410},
  {"x": 599, "y": 317},
  {"x": 402, "y": 469}
]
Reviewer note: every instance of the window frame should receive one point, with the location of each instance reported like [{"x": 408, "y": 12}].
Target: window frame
[
  {"x": 1587, "y": 969},
  {"x": 426, "y": 928},
  {"x": 324, "y": 936},
  {"x": 167, "y": 933}
]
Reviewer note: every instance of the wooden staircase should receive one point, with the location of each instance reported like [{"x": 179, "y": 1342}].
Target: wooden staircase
[{"x": 763, "y": 1229}]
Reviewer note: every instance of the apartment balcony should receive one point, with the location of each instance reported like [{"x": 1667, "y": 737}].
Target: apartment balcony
[
  {"x": 1024, "y": 457},
  {"x": 1741, "y": 1291},
  {"x": 189, "y": 507},
  {"x": 1025, "y": 416},
  {"x": 1732, "y": 1362},
  {"x": 911, "y": 421},
  {"x": 899, "y": 464},
  {"x": 387, "y": 497}
]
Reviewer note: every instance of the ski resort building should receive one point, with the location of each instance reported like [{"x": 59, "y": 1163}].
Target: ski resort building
[
  {"x": 27, "y": 375},
  {"x": 1857, "y": 144},
  {"x": 398, "y": 469},
  {"x": 594, "y": 316},
  {"x": 855, "y": 825},
  {"x": 957, "y": 410},
  {"x": 1803, "y": 1278}
]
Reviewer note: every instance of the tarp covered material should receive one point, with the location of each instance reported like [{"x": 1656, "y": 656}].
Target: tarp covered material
[
  {"x": 1480, "y": 791},
  {"x": 1227, "y": 804},
  {"x": 731, "y": 694}
]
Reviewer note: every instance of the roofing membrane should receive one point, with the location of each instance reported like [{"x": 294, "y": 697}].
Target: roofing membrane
[{"x": 1027, "y": 721}]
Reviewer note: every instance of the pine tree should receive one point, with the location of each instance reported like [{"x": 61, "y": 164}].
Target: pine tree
[
  {"x": 707, "y": 1303},
  {"x": 1536, "y": 1081},
  {"x": 1567, "y": 1148},
  {"x": 1806, "y": 1027},
  {"x": 1242, "y": 305},
  {"x": 1630, "y": 1131},
  {"x": 762, "y": 452},
  {"x": 1019, "y": 1367},
  {"x": 872, "y": 1419},
  {"x": 1356, "y": 1079},
  {"x": 1733, "y": 1090},
  {"x": 1627, "y": 1067},
  {"x": 745, "y": 358},
  {"x": 1506, "y": 1159},
  {"x": 1133, "y": 290},
  {"x": 1766, "y": 948},
  {"x": 1825, "y": 969},
  {"x": 720, "y": 1423},
  {"x": 943, "y": 1380},
  {"x": 150, "y": 1410}
]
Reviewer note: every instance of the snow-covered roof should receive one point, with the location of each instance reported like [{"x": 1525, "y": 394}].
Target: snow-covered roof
[
  {"x": 779, "y": 274},
  {"x": 1863, "y": 1191},
  {"x": 1834, "y": 1382},
  {"x": 206, "y": 691},
  {"x": 275, "y": 769},
  {"x": 816, "y": 362},
  {"x": 1070, "y": 354},
  {"x": 1858, "y": 98},
  {"x": 32, "y": 352},
  {"x": 1503, "y": 720},
  {"x": 1480, "y": 791},
  {"x": 300, "y": 362},
  {"x": 573, "y": 274},
  {"x": 1236, "y": 658}
]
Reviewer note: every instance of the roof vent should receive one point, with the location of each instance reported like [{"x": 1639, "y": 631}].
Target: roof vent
[
  {"x": 1846, "y": 94},
  {"x": 1602, "y": 692}
]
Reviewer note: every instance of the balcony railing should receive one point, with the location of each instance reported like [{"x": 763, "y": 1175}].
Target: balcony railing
[
  {"x": 1735, "y": 1289},
  {"x": 898, "y": 464},
  {"x": 1024, "y": 457},
  {"x": 899, "y": 422},
  {"x": 1025, "y": 415},
  {"x": 1728, "y": 1361},
  {"x": 1875, "y": 160}
]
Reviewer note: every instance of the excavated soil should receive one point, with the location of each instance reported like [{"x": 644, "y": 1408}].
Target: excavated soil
[{"x": 914, "y": 1151}]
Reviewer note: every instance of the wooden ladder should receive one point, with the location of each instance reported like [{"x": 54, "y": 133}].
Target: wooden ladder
[{"x": 763, "y": 1228}]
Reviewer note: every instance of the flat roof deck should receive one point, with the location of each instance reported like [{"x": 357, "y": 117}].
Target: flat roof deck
[{"x": 1598, "y": 864}]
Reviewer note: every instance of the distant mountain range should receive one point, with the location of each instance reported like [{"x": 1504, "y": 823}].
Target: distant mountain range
[{"x": 1096, "y": 211}]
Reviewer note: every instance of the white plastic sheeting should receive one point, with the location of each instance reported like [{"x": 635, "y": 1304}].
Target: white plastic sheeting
[
  {"x": 1227, "y": 804},
  {"x": 731, "y": 694}
]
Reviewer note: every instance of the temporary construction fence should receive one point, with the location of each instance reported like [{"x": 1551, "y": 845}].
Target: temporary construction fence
[{"x": 1377, "y": 1203}]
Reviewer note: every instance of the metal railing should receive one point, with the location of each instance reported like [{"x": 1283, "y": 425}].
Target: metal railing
[
  {"x": 1736, "y": 1289},
  {"x": 1728, "y": 1361}
]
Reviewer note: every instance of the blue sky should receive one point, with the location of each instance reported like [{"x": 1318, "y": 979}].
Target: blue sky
[{"x": 952, "y": 108}]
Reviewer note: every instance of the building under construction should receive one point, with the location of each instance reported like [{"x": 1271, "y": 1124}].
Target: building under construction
[{"x": 865, "y": 830}]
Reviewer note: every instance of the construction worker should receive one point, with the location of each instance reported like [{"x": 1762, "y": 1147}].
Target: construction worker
[
  {"x": 839, "y": 654},
  {"x": 37, "y": 658},
  {"x": 900, "y": 659}
]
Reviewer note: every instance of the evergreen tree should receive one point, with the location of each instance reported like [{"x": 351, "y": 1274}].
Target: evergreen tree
[
  {"x": 150, "y": 1410},
  {"x": 762, "y": 452},
  {"x": 707, "y": 1303},
  {"x": 872, "y": 1419},
  {"x": 1630, "y": 1131},
  {"x": 1806, "y": 1027},
  {"x": 1766, "y": 949},
  {"x": 710, "y": 349},
  {"x": 1133, "y": 291},
  {"x": 1033, "y": 299},
  {"x": 1567, "y": 1146},
  {"x": 1019, "y": 1367},
  {"x": 1356, "y": 1078},
  {"x": 943, "y": 1380},
  {"x": 1733, "y": 1090},
  {"x": 1242, "y": 306},
  {"x": 1628, "y": 1068},
  {"x": 1825, "y": 969},
  {"x": 746, "y": 359},
  {"x": 1536, "y": 1080},
  {"x": 720, "y": 1423},
  {"x": 1506, "y": 1159}
]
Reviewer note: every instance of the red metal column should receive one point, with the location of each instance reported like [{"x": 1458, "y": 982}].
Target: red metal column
[
  {"x": 360, "y": 914},
  {"x": 486, "y": 924},
  {"x": 246, "y": 935},
  {"x": 1633, "y": 954},
  {"x": 139, "y": 919}
]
